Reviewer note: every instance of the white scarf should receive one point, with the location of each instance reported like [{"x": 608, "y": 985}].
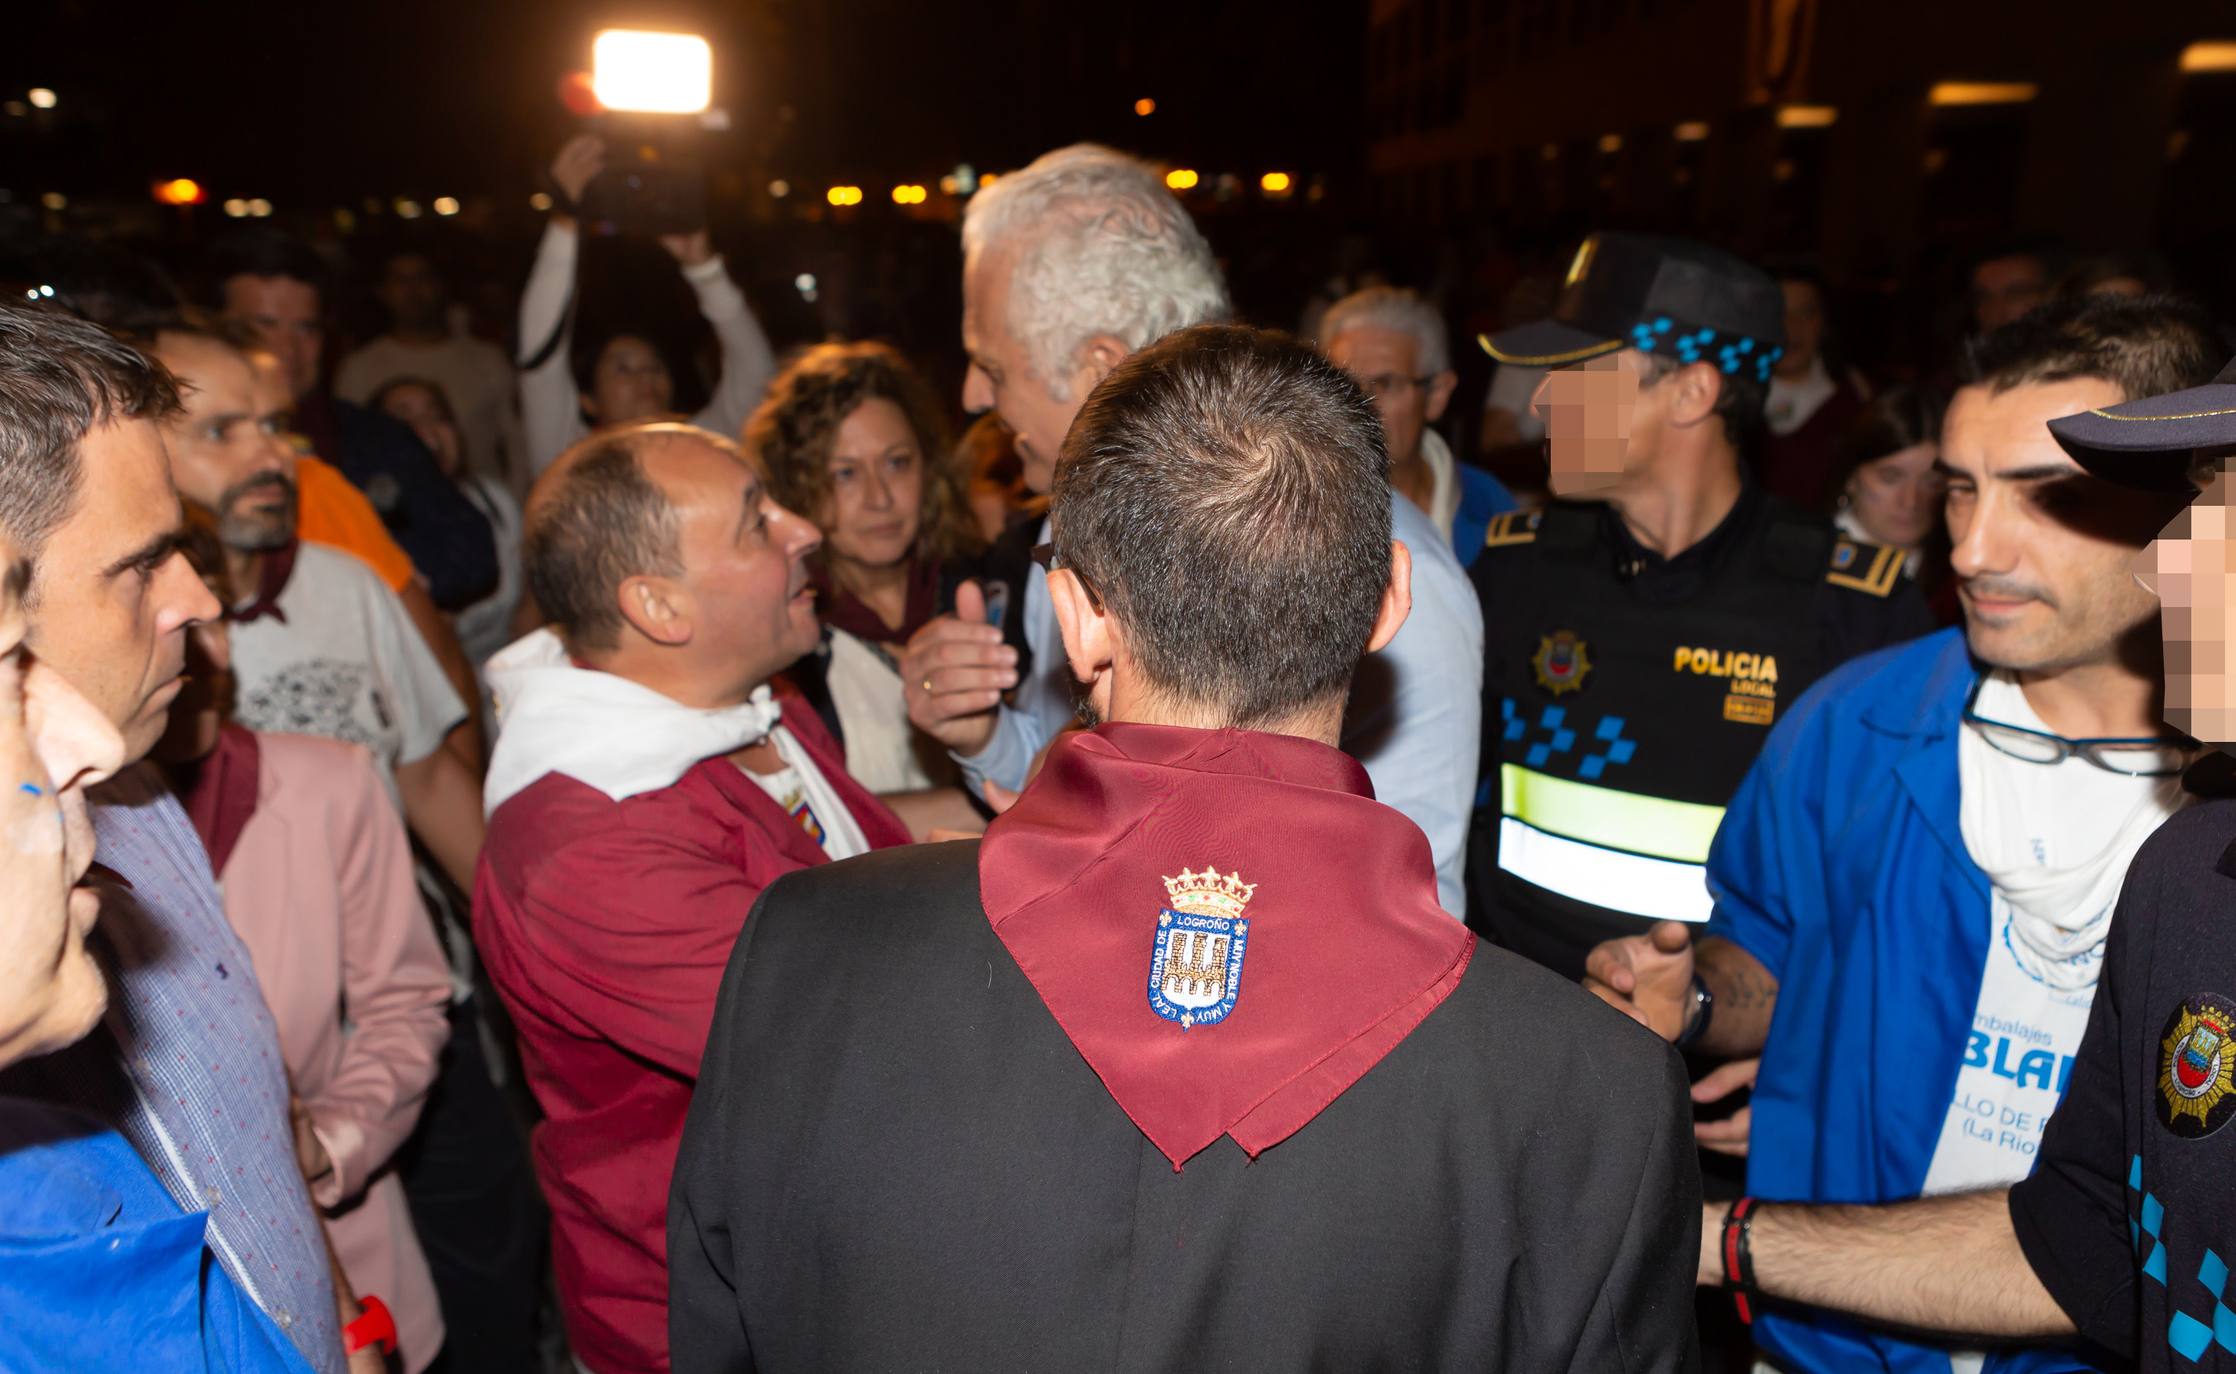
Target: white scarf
[
  {"x": 2060, "y": 912},
  {"x": 605, "y": 732}
]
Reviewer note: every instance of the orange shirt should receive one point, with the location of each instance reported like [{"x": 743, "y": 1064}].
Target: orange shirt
[{"x": 333, "y": 512}]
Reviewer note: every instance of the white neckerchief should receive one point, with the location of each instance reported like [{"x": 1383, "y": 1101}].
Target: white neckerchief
[
  {"x": 2059, "y": 911},
  {"x": 1444, "y": 497},
  {"x": 604, "y": 731}
]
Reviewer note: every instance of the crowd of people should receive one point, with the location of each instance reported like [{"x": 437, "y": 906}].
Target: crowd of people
[{"x": 1203, "y": 870}]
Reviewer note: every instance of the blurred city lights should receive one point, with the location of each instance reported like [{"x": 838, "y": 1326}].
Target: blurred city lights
[
  {"x": 2210, "y": 57},
  {"x": 260, "y": 208},
  {"x": 1182, "y": 179},
  {"x": 446, "y": 205},
  {"x": 236, "y": 208},
  {"x": 1145, "y": 107},
  {"x": 844, "y": 195},
  {"x": 55, "y": 200},
  {"x": 16, "y": 109},
  {"x": 1610, "y": 143},
  {"x": 654, "y": 73},
  {"x": 37, "y": 293},
  {"x": 988, "y": 179},
  {"x": 539, "y": 201},
  {"x": 179, "y": 191},
  {"x": 409, "y": 209},
  {"x": 1551, "y": 152},
  {"x": 909, "y": 194},
  {"x": 1274, "y": 183},
  {"x": 780, "y": 188},
  {"x": 40, "y": 97},
  {"x": 1692, "y": 131},
  {"x": 1981, "y": 93},
  {"x": 1806, "y": 116}
]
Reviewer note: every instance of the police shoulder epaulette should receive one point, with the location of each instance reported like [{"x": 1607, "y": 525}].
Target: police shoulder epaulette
[
  {"x": 1514, "y": 527},
  {"x": 1858, "y": 566}
]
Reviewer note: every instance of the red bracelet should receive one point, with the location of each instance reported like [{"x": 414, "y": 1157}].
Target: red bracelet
[
  {"x": 374, "y": 1324},
  {"x": 1739, "y": 1261}
]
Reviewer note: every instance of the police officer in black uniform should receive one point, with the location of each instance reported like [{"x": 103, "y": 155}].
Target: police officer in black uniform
[{"x": 1645, "y": 630}]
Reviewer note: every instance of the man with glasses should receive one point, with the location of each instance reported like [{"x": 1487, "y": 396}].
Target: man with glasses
[
  {"x": 1914, "y": 885},
  {"x": 1392, "y": 343},
  {"x": 1645, "y": 631}
]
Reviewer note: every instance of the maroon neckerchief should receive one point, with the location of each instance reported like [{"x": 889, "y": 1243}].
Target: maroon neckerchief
[
  {"x": 219, "y": 792},
  {"x": 1346, "y": 948},
  {"x": 842, "y": 610},
  {"x": 279, "y": 565}
]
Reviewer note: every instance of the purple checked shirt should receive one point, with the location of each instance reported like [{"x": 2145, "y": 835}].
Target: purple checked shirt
[{"x": 187, "y": 1067}]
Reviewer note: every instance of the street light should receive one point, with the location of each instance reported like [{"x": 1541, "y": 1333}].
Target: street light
[
  {"x": 1145, "y": 107},
  {"x": 446, "y": 205},
  {"x": 1807, "y": 116},
  {"x": 1182, "y": 179},
  {"x": 1274, "y": 183},
  {"x": 2210, "y": 56},
  {"x": 651, "y": 73},
  {"x": 260, "y": 208},
  {"x": 1981, "y": 93},
  {"x": 180, "y": 191},
  {"x": 41, "y": 98}
]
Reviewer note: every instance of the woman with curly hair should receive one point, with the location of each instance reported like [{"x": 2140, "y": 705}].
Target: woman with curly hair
[{"x": 851, "y": 438}]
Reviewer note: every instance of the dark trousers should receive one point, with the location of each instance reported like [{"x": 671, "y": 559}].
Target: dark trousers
[{"x": 480, "y": 1218}]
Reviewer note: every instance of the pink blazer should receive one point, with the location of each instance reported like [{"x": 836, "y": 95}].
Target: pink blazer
[{"x": 319, "y": 887}]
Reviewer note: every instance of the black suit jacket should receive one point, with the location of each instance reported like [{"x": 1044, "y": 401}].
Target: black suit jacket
[{"x": 896, "y": 1160}]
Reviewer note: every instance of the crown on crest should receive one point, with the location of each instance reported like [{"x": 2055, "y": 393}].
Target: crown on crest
[{"x": 1209, "y": 893}]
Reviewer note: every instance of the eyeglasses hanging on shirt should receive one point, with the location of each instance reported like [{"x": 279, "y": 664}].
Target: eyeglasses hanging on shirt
[{"x": 2149, "y": 756}]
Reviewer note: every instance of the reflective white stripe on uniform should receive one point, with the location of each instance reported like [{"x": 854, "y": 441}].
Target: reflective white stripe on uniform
[{"x": 1661, "y": 889}]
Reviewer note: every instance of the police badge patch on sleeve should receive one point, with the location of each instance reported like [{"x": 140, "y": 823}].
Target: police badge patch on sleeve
[
  {"x": 1195, "y": 966},
  {"x": 2197, "y": 1066}
]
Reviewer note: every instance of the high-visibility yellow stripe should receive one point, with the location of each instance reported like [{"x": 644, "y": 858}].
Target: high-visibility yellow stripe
[
  {"x": 1681, "y": 831},
  {"x": 1658, "y": 889}
]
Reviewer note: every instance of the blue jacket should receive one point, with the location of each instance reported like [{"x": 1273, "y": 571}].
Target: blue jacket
[
  {"x": 101, "y": 1271},
  {"x": 1841, "y": 866},
  {"x": 1481, "y": 497}
]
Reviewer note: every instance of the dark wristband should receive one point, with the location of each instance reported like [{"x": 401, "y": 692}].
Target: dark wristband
[
  {"x": 1697, "y": 1018},
  {"x": 1739, "y": 1258}
]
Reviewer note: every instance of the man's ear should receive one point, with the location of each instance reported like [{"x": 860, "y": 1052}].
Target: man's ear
[
  {"x": 588, "y": 404},
  {"x": 657, "y": 608},
  {"x": 1097, "y": 356},
  {"x": 1397, "y": 598},
  {"x": 1090, "y": 636},
  {"x": 1693, "y": 393},
  {"x": 1439, "y": 394}
]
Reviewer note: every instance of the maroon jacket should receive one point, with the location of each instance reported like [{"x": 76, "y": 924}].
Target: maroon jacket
[{"x": 605, "y": 927}]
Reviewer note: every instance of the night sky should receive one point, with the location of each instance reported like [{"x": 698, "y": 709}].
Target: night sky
[{"x": 328, "y": 102}]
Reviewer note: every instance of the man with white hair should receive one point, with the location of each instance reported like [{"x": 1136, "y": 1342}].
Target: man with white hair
[
  {"x": 1393, "y": 343},
  {"x": 1070, "y": 266}
]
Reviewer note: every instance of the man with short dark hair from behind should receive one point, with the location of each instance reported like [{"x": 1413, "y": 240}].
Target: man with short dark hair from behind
[
  {"x": 1170, "y": 1068},
  {"x": 275, "y": 286},
  {"x": 648, "y": 783},
  {"x": 1914, "y": 884},
  {"x": 187, "y": 1064}
]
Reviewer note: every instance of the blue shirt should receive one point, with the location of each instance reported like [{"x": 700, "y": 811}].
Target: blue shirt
[
  {"x": 99, "y": 1269},
  {"x": 1482, "y": 496},
  {"x": 1840, "y": 865},
  {"x": 187, "y": 1065},
  {"x": 1413, "y": 721}
]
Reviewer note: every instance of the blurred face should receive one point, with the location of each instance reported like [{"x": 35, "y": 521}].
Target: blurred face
[
  {"x": 2191, "y": 567},
  {"x": 284, "y": 314},
  {"x": 205, "y": 701},
  {"x": 745, "y": 574},
  {"x": 2041, "y": 549},
  {"x": 413, "y": 294},
  {"x": 1805, "y": 328},
  {"x": 1001, "y": 378},
  {"x": 630, "y": 383},
  {"x": 113, "y": 598},
  {"x": 227, "y": 452},
  {"x": 2005, "y": 288},
  {"x": 418, "y": 407},
  {"x": 877, "y": 487},
  {"x": 1897, "y": 498},
  {"x": 1386, "y": 365},
  {"x": 51, "y": 990},
  {"x": 1601, "y": 421}
]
